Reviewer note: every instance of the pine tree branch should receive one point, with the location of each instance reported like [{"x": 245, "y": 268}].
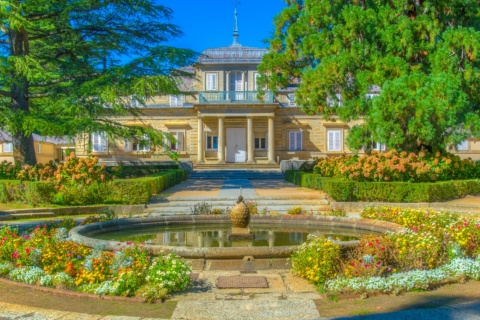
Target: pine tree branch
[{"x": 6, "y": 93}]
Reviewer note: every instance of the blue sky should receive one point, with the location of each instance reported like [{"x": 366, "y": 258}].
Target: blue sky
[{"x": 209, "y": 23}]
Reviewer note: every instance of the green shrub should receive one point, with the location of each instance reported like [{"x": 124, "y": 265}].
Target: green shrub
[
  {"x": 296, "y": 211},
  {"x": 201, "y": 208},
  {"x": 398, "y": 166},
  {"x": 341, "y": 190},
  {"x": 121, "y": 191}
]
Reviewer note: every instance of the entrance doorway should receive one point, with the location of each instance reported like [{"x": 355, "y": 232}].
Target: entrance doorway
[{"x": 236, "y": 145}]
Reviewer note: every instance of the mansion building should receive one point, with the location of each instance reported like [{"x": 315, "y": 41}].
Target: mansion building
[{"x": 223, "y": 121}]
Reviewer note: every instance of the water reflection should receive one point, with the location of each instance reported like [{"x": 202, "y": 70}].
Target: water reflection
[{"x": 216, "y": 235}]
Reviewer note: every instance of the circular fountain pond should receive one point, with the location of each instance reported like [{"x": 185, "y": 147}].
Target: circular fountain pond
[{"x": 206, "y": 237}]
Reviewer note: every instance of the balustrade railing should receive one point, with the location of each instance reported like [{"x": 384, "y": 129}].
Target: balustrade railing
[{"x": 234, "y": 97}]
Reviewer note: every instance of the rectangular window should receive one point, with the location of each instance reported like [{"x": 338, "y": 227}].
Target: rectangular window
[
  {"x": 462, "y": 146},
  {"x": 291, "y": 99},
  {"x": 176, "y": 101},
  {"x": 212, "y": 142},
  {"x": 334, "y": 140},
  {"x": 261, "y": 143},
  {"x": 177, "y": 145},
  {"x": 99, "y": 141},
  {"x": 256, "y": 75},
  {"x": 295, "y": 140},
  {"x": 335, "y": 102},
  {"x": 39, "y": 148},
  {"x": 211, "y": 82},
  {"x": 141, "y": 143},
  {"x": 7, "y": 147},
  {"x": 379, "y": 146}
]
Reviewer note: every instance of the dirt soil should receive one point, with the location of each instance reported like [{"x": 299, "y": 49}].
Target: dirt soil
[
  {"x": 355, "y": 306},
  {"x": 34, "y": 298}
]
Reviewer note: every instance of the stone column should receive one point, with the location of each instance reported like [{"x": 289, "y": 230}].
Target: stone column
[
  {"x": 201, "y": 142},
  {"x": 271, "y": 140},
  {"x": 221, "y": 140},
  {"x": 250, "y": 141}
]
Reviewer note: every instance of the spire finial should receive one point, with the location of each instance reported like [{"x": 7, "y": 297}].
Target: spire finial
[{"x": 235, "y": 25}]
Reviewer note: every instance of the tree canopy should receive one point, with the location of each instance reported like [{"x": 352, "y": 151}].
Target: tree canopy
[
  {"x": 422, "y": 55},
  {"x": 70, "y": 66}
]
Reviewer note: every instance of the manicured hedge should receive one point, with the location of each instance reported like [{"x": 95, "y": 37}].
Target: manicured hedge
[
  {"x": 133, "y": 171},
  {"x": 121, "y": 191},
  {"x": 28, "y": 192},
  {"x": 139, "y": 190},
  {"x": 341, "y": 190}
]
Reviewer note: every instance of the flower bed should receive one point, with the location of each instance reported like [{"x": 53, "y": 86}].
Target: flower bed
[
  {"x": 46, "y": 257},
  {"x": 437, "y": 247},
  {"x": 81, "y": 181},
  {"x": 398, "y": 166}
]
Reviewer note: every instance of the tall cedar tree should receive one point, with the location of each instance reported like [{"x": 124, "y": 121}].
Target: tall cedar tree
[
  {"x": 424, "y": 55},
  {"x": 71, "y": 66}
]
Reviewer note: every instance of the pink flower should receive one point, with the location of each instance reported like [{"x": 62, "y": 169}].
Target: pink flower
[{"x": 16, "y": 255}]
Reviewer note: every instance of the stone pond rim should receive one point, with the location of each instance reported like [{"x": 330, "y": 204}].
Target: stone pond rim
[{"x": 80, "y": 234}]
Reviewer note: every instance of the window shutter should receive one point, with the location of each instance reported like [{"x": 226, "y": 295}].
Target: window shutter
[
  {"x": 337, "y": 141},
  {"x": 291, "y": 140},
  {"x": 299, "y": 140},
  {"x": 211, "y": 81},
  {"x": 180, "y": 141}
]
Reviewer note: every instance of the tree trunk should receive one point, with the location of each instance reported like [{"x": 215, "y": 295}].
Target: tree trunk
[
  {"x": 23, "y": 146},
  {"x": 23, "y": 149}
]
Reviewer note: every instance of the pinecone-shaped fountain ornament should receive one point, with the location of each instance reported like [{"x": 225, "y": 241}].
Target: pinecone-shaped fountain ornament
[{"x": 240, "y": 214}]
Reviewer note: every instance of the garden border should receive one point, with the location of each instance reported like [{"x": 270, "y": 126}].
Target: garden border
[{"x": 400, "y": 192}]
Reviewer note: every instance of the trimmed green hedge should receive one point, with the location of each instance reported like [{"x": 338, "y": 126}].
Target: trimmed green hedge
[
  {"x": 121, "y": 191},
  {"x": 140, "y": 190},
  {"x": 341, "y": 190}
]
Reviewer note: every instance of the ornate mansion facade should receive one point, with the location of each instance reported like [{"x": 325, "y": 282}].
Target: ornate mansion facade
[{"x": 223, "y": 121}]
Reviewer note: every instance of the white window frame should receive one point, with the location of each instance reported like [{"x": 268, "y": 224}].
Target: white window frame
[
  {"x": 369, "y": 96},
  {"x": 7, "y": 147},
  {"x": 137, "y": 147},
  {"x": 462, "y": 146},
  {"x": 379, "y": 146},
  {"x": 99, "y": 142},
  {"x": 177, "y": 100},
  {"x": 133, "y": 102},
  {"x": 256, "y": 75},
  {"x": 211, "y": 139},
  {"x": 332, "y": 135},
  {"x": 333, "y": 103},
  {"x": 291, "y": 99},
  {"x": 295, "y": 140},
  {"x": 211, "y": 81},
  {"x": 265, "y": 143},
  {"x": 179, "y": 144}
]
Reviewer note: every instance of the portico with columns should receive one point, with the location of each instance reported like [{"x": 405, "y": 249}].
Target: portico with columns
[{"x": 236, "y": 134}]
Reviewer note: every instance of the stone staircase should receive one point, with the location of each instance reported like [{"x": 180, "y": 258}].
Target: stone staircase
[
  {"x": 256, "y": 174},
  {"x": 236, "y": 182},
  {"x": 175, "y": 206}
]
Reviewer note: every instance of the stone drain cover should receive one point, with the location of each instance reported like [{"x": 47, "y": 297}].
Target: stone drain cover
[{"x": 240, "y": 282}]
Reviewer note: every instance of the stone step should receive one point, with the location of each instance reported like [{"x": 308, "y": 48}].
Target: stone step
[
  {"x": 272, "y": 208},
  {"x": 235, "y": 166},
  {"x": 5, "y": 217},
  {"x": 237, "y": 174},
  {"x": 231, "y": 202},
  {"x": 244, "y": 176},
  {"x": 35, "y": 214}
]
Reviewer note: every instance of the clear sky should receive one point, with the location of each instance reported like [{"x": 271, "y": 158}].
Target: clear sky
[{"x": 209, "y": 23}]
